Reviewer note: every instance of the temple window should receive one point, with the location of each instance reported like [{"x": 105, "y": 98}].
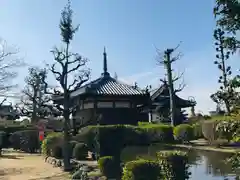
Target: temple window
[
  {"x": 88, "y": 105},
  {"x": 122, "y": 105},
  {"x": 105, "y": 104}
]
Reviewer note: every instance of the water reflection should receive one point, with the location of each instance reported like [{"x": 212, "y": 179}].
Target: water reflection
[{"x": 207, "y": 165}]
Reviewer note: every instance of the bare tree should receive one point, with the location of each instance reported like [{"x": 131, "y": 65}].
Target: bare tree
[
  {"x": 34, "y": 101},
  {"x": 8, "y": 64},
  {"x": 67, "y": 63},
  {"x": 166, "y": 60}
]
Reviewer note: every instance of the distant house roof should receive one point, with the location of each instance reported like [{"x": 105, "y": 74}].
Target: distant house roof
[
  {"x": 106, "y": 85},
  {"x": 160, "y": 97}
]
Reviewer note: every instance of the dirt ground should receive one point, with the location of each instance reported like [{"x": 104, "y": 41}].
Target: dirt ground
[{"x": 21, "y": 166}]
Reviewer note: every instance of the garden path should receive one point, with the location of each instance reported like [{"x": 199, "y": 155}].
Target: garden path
[{"x": 22, "y": 166}]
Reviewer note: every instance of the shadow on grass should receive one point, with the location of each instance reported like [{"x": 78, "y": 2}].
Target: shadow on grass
[{"x": 5, "y": 156}]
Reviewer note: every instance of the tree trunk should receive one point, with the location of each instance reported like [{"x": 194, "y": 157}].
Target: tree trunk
[
  {"x": 66, "y": 146},
  {"x": 171, "y": 89},
  {"x": 34, "y": 112},
  {"x": 225, "y": 81},
  {"x": 227, "y": 107},
  {"x": 74, "y": 123},
  {"x": 74, "y": 127},
  {"x": 66, "y": 114}
]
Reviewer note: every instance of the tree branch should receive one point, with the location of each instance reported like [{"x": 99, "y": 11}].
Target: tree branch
[
  {"x": 4, "y": 100},
  {"x": 176, "y": 78},
  {"x": 83, "y": 77},
  {"x": 59, "y": 56},
  {"x": 177, "y": 57},
  {"x": 79, "y": 60},
  {"x": 7, "y": 63},
  {"x": 181, "y": 86}
]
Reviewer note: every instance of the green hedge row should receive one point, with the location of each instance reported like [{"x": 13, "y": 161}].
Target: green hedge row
[
  {"x": 52, "y": 145},
  {"x": 140, "y": 135},
  {"x": 109, "y": 167},
  {"x": 162, "y": 133},
  {"x": 2, "y": 137},
  {"x": 26, "y": 140},
  {"x": 169, "y": 165},
  {"x": 158, "y": 133},
  {"x": 174, "y": 164},
  {"x": 11, "y": 129},
  {"x": 142, "y": 169},
  {"x": 113, "y": 138}
]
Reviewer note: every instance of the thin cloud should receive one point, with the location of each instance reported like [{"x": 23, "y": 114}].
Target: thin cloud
[{"x": 142, "y": 77}]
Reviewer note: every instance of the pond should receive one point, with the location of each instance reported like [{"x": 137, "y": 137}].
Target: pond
[{"x": 207, "y": 165}]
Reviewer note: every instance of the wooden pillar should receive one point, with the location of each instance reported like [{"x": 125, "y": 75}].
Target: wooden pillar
[
  {"x": 150, "y": 116},
  {"x": 95, "y": 109}
]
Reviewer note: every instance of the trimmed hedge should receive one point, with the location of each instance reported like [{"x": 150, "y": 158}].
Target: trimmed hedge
[
  {"x": 109, "y": 166},
  {"x": 86, "y": 136},
  {"x": 52, "y": 140},
  {"x": 80, "y": 151},
  {"x": 174, "y": 164},
  {"x": 197, "y": 131},
  {"x": 26, "y": 140},
  {"x": 113, "y": 138},
  {"x": 57, "y": 152},
  {"x": 72, "y": 146},
  {"x": 134, "y": 135},
  {"x": 142, "y": 170},
  {"x": 159, "y": 133},
  {"x": 2, "y": 137},
  {"x": 10, "y": 129},
  {"x": 15, "y": 140},
  {"x": 184, "y": 133}
]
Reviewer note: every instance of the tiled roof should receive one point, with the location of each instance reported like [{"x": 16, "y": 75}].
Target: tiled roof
[
  {"x": 161, "y": 98},
  {"x": 106, "y": 85}
]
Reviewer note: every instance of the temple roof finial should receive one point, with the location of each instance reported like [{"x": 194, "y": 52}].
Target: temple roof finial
[{"x": 105, "y": 71}]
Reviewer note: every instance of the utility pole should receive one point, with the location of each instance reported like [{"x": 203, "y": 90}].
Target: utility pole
[{"x": 167, "y": 64}]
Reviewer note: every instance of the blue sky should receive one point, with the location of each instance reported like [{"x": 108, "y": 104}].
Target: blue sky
[{"x": 130, "y": 30}]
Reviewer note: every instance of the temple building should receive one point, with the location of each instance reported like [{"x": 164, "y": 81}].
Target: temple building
[
  {"x": 115, "y": 102},
  {"x": 159, "y": 109}
]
